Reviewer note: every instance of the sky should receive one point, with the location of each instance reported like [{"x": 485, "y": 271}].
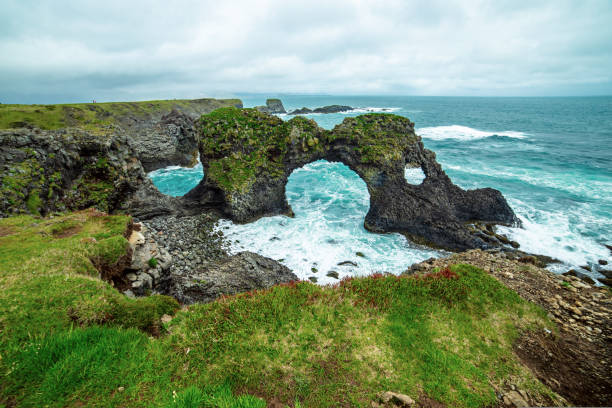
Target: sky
[{"x": 75, "y": 51}]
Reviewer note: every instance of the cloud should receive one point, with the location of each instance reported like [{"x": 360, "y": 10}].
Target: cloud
[{"x": 60, "y": 51}]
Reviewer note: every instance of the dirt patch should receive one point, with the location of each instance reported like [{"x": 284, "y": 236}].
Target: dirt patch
[
  {"x": 426, "y": 402},
  {"x": 67, "y": 232},
  {"x": 6, "y": 230},
  {"x": 567, "y": 365}
]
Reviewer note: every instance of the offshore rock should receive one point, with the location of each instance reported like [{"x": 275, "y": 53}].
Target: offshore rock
[
  {"x": 324, "y": 109},
  {"x": 248, "y": 156},
  {"x": 272, "y": 106}
]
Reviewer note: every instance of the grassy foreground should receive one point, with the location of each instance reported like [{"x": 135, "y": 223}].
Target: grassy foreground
[{"x": 70, "y": 339}]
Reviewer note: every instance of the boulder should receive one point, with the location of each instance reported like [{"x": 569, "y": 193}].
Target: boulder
[
  {"x": 239, "y": 273},
  {"x": 396, "y": 399}
]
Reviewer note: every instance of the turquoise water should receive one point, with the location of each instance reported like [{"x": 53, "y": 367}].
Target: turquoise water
[{"x": 551, "y": 158}]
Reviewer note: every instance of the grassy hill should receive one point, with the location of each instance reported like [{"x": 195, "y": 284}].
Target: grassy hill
[
  {"x": 95, "y": 115},
  {"x": 68, "y": 338}
]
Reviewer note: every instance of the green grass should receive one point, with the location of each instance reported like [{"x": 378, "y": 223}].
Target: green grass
[
  {"x": 92, "y": 116},
  {"x": 70, "y": 339}
]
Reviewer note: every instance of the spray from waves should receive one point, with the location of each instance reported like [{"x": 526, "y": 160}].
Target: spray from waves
[
  {"x": 560, "y": 234},
  {"x": 372, "y": 109},
  {"x": 330, "y": 203},
  {"x": 369, "y": 109},
  {"x": 464, "y": 133},
  {"x": 591, "y": 187}
]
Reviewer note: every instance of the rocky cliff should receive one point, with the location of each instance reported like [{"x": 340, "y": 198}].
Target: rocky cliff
[
  {"x": 249, "y": 155},
  {"x": 69, "y": 157}
]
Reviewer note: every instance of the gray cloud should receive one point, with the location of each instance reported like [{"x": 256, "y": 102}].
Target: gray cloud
[{"x": 60, "y": 51}]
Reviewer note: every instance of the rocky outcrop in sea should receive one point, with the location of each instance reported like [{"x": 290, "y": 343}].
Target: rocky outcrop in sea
[
  {"x": 248, "y": 156},
  {"x": 273, "y": 106},
  {"x": 323, "y": 109}
]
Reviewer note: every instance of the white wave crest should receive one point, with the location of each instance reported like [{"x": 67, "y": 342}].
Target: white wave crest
[
  {"x": 372, "y": 109},
  {"x": 465, "y": 133}
]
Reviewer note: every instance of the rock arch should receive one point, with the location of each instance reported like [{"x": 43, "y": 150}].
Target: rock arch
[{"x": 248, "y": 156}]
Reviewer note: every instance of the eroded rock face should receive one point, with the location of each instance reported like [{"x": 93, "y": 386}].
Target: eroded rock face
[
  {"x": 272, "y": 106},
  {"x": 100, "y": 163},
  {"x": 239, "y": 273},
  {"x": 248, "y": 156}
]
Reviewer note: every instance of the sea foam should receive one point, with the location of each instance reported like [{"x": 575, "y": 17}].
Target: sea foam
[{"x": 464, "y": 133}]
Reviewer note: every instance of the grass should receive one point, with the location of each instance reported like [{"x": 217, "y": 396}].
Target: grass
[
  {"x": 92, "y": 116},
  {"x": 70, "y": 339}
]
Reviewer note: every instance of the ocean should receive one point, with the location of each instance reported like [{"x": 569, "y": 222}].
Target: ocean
[{"x": 550, "y": 157}]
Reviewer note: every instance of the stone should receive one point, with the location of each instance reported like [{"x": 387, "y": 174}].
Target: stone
[
  {"x": 239, "y": 273},
  {"x": 605, "y": 281},
  {"x": 313, "y": 279},
  {"x": 397, "y": 399},
  {"x": 606, "y": 273},
  {"x": 136, "y": 238},
  {"x": 514, "y": 399},
  {"x": 587, "y": 267},
  {"x": 333, "y": 274},
  {"x": 602, "y": 262}
]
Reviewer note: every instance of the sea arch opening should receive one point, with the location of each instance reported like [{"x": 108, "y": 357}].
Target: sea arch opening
[
  {"x": 325, "y": 240},
  {"x": 176, "y": 181}
]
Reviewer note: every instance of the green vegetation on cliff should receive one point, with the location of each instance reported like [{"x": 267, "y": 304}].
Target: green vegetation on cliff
[
  {"x": 240, "y": 144},
  {"x": 71, "y": 339},
  {"x": 96, "y": 115}
]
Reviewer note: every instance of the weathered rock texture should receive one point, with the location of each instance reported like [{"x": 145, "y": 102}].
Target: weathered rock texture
[
  {"x": 272, "y": 106},
  {"x": 239, "y": 273},
  {"x": 95, "y": 155},
  {"x": 323, "y": 109},
  {"x": 248, "y": 156}
]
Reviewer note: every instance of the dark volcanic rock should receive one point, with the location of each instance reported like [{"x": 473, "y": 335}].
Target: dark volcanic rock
[
  {"x": 172, "y": 141},
  {"x": 242, "y": 272},
  {"x": 333, "y": 109},
  {"x": 301, "y": 111},
  {"x": 324, "y": 109},
  {"x": 70, "y": 169},
  {"x": 88, "y": 164},
  {"x": 248, "y": 157},
  {"x": 272, "y": 106}
]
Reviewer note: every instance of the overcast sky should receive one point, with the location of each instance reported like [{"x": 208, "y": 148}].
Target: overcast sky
[{"x": 68, "y": 51}]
